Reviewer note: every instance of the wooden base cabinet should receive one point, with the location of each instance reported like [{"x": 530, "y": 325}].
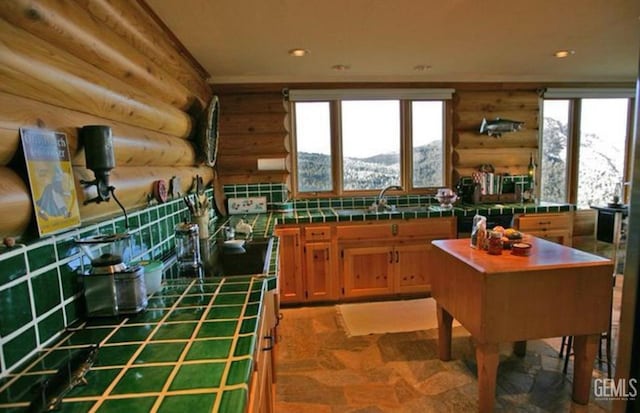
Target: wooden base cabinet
[
  {"x": 290, "y": 282},
  {"x": 328, "y": 262},
  {"x": 371, "y": 271},
  {"x": 368, "y": 271},
  {"x": 306, "y": 266},
  {"x": 262, "y": 386},
  {"x": 414, "y": 262},
  {"x": 318, "y": 280}
]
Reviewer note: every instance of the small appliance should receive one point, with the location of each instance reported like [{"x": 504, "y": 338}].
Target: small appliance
[
  {"x": 112, "y": 286},
  {"x": 188, "y": 250}
]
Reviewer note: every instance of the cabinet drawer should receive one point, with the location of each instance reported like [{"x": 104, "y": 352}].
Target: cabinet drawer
[
  {"x": 322, "y": 233},
  {"x": 429, "y": 228},
  {"x": 543, "y": 222},
  {"x": 366, "y": 231}
]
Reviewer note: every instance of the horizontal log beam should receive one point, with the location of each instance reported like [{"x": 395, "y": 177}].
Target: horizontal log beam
[
  {"x": 526, "y": 138},
  {"x": 277, "y": 177},
  {"x": 68, "y": 26},
  {"x": 252, "y": 103},
  {"x": 16, "y": 209},
  {"x": 496, "y": 101},
  {"x": 498, "y": 157},
  {"x": 257, "y": 144},
  {"x": 134, "y": 185},
  {"x": 132, "y": 22},
  {"x": 252, "y": 123},
  {"x": 132, "y": 146},
  {"x": 34, "y": 69}
]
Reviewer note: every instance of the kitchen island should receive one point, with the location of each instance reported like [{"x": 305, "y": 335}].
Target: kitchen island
[{"x": 555, "y": 291}]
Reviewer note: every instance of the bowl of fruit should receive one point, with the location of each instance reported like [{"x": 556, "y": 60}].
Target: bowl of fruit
[{"x": 510, "y": 236}]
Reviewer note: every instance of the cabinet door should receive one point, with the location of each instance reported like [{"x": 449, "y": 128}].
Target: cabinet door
[
  {"x": 318, "y": 280},
  {"x": 290, "y": 265},
  {"x": 367, "y": 271},
  {"x": 412, "y": 264}
]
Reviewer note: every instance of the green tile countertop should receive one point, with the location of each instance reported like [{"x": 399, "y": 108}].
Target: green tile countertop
[
  {"x": 190, "y": 350},
  {"x": 333, "y": 214}
]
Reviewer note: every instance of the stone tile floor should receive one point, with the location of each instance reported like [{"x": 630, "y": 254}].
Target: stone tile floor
[{"x": 320, "y": 369}]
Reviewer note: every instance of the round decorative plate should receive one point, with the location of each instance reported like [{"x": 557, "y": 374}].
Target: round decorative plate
[{"x": 209, "y": 132}]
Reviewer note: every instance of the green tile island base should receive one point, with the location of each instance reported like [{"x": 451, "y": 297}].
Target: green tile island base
[{"x": 191, "y": 350}]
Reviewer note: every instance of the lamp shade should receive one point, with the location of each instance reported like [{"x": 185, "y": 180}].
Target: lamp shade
[{"x": 98, "y": 147}]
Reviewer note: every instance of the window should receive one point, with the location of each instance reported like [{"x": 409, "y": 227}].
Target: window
[
  {"x": 351, "y": 144},
  {"x": 599, "y": 129},
  {"x": 603, "y": 132},
  {"x": 427, "y": 126},
  {"x": 313, "y": 129},
  {"x": 553, "y": 164},
  {"x": 370, "y": 144}
]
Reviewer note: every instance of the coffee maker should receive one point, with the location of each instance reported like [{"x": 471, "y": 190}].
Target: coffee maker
[{"x": 111, "y": 285}]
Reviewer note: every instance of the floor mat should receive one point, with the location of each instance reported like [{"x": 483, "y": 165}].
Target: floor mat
[{"x": 360, "y": 319}]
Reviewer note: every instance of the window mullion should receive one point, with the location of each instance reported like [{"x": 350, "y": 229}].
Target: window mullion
[
  {"x": 573, "y": 150},
  {"x": 336, "y": 147},
  {"x": 406, "y": 146}
]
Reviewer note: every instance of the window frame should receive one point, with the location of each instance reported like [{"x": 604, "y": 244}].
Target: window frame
[
  {"x": 406, "y": 150},
  {"x": 574, "y": 140}
]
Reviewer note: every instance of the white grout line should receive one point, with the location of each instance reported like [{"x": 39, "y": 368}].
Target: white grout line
[
  {"x": 107, "y": 392},
  {"x": 178, "y": 364}
]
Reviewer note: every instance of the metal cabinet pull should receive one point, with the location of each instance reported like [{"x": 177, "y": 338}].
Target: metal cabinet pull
[{"x": 270, "y": 346}]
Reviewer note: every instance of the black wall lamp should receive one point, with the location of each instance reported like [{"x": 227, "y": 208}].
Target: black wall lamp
[
  {"x": 97, "y": 141},
  {"x": 98, "y": 152}
]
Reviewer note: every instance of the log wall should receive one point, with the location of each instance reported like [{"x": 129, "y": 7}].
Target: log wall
[
  {"x": 253, "y": 126},
  {"x": 69, "y": 63},
  {"x": 508, "y": 153}
]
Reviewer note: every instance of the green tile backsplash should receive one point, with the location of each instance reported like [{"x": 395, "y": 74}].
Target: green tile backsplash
[{"x": 40, "y": 293}]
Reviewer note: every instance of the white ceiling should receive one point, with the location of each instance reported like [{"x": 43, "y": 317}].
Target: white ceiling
[{"x": 246, "y": 41}]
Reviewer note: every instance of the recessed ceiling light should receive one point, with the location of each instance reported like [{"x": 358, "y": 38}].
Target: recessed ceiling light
[
  {"x": 421, "y": 68},
  {"x": 298, "y": 52},
  {"x": 340, "y": 68},
  {"x": 560, "y": 54}
]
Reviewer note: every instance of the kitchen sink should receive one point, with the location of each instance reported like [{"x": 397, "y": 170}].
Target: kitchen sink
[
  {"x": 248, "y": 258},
  {"x": 352, "y": 211}
]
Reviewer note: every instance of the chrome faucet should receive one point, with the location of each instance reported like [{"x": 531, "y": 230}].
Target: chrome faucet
[{"x": 381, "y": 201}]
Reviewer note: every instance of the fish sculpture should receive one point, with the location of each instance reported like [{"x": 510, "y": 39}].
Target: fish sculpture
[
  {"x": 499, "y": 126},
  {"x": 50, "y": 392}
]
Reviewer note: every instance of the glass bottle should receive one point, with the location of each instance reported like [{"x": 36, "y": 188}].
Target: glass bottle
[{"x": 495, "y": 243}]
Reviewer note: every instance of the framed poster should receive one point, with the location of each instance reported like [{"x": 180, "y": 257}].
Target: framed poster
[{"x": 53, "y": 191}]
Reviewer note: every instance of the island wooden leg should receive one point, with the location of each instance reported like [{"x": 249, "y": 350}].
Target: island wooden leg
[
  {"x": 520, "y": 348},
  {"x": 444, "y": 333},
  {"x": 487, "y": 357},
  {"x": 584, "y": 354}
]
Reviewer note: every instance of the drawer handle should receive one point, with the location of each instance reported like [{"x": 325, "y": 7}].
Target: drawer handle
[
  {"x": 270, "y": 346},
  {"x": 317, "y": 234},
  {"x": 390, "y": 257},
  {"x": 544, "y": 223}
]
